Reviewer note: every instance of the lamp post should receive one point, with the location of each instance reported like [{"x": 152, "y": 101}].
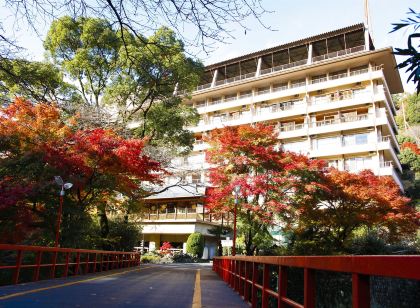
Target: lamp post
[
  {"x": 236, "y": 191},
  {"x": 64, "y": 186}
]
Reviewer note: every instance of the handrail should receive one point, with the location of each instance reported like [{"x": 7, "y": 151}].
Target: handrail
[
  {"x": 68, "y": 259},
  {"x": 242, "y": 274}
]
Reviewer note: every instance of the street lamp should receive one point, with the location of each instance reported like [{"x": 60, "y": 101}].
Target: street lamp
[
  {"x": 64, "y": 186},
  {"x": 236, "y": 191}
]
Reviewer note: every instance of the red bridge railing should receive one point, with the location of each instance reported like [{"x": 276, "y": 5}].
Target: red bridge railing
[
  {"x": 243, "y": 274},
  {"x": 48, "y": 262}
]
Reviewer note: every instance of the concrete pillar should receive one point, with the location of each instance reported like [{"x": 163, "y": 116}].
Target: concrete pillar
[
  {"x": 213, "y": 83},
  {"x": 184, "y": 247},
  {"x": 310, "y": 52},
  {"x": 154, "y": 242},
  {"x": 367, "y": 41},
  {"x": 258, "y": 72}
]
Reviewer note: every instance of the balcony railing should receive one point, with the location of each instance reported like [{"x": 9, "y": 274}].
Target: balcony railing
[
  {"x": 359, "y": 72},
  {"x": 289, "y": 128},
  {"x": 298, "y": 84},
  {"x": 386, "y": 164},
  {"x": 203, "y": 86},
  {"x": 338, "y": 96},
  {"x": 360, "y": 117},
  {"x": 283, "y": 67},
  {"x": 236, "y": 78},
  {"x": 318, "y": 80},
  {"x": 338, "y": 53}
]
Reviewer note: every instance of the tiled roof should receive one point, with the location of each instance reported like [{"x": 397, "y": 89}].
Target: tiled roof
[
  {"x": 180, "y": 191},
  {"x": 287, "y": 45}
]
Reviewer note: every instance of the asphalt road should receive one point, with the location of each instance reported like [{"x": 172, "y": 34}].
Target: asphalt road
[{"x": 172, "y": 285}]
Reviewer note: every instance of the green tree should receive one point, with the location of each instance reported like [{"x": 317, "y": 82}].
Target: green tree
[
  {"x": 87, "y": 50},
  {"x": 38, "y": 81},
  {"x": 145, "y": 90},
  {"x": 409, "y": 111},
  {"x": 195, "y": 244}
]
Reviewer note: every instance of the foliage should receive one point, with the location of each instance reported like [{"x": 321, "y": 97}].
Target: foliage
[
  {"x": 123, "y": 235},
  {"x": 321, "y": 209},
  {"x": 38, "y": 144},
  {"x": 165, "y": 247},
  {"x": 195, "y": 244},
  {"x": 87, "y": 50},
  {"x": 37, "y": 81},
  {"x": 144, "y": 89},
  {"x": 371, "y": 243},
  {"x": 207, "y": 21},
  {"x": 150, "y": 259},
  {"x": 413, "y": 62},
  {"x": 136, "y": 76},
  {"x": 349, "y": 202},
  {"x": 409, "y": 107},
  {"x": 248, "y": 156},
  {"x": 184, "y": 258}
]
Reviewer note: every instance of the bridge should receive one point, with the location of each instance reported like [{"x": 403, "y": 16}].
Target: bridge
[{"x": 93, "y": 278}]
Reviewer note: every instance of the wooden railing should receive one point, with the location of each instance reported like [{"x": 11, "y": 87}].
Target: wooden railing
[
  {"x": 252, "y": 277},
  {"x": 58, "y": 262}
]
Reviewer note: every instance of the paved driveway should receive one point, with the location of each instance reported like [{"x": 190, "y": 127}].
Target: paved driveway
[{"x": 171, "y": 285}]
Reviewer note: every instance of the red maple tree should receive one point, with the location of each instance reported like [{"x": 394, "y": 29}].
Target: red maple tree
[{"x": 38, "y": 142}]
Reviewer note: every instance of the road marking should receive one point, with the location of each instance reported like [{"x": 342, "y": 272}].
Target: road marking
[
  {"x": 197, "y": 291},
  {"x": 67, "y": 284}
]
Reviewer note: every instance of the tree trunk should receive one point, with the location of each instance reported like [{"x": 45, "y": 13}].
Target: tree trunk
[{"x": 103, "y": 220}]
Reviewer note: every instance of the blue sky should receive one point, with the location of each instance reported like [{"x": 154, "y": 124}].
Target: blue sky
[{"x": 292, "y": 20}]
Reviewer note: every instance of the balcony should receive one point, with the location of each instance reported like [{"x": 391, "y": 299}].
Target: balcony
[
  {"x": 278, "y": 110},
  {"x": 338, "y": 53},
  {"x": 292, "y": 130},
  {"x": 387, "y": 168},
  {"x": 236, "y": 78},
  {"x": 283, "y": 67}
]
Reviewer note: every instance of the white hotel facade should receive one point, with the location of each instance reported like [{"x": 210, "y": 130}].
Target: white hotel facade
[{"x": 329, "y": 96}]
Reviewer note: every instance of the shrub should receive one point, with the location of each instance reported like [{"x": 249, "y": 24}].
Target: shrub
[
  {"x": 195, "y": 244},
  {"x": 165, "y": 248},
  {"x": 150, "y": 259},
  {"x": 183, "y": 258}
]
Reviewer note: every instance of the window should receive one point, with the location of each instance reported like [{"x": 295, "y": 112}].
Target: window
[
  {"x": 357, "y": 163},
  {"x": 171, "y": 208},
  {"x": 326, "y": 143},
  {"x": 332, "y": 163},
  {"x": 356, "y": 139}
]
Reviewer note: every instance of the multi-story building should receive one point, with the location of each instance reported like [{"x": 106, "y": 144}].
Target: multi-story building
[{"x": 329, "y": 96}]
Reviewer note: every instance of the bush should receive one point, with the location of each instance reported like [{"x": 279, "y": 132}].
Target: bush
[
  {"x": 195, "y": 244},
  {"x": 183, "y": 258},
  {"x": 123, "y": 235},
  {"x": 150, "y": 259}
]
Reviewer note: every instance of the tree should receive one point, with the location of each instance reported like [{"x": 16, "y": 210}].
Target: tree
[
  {"x": 146, "y": 87},
  {"x": 408, "y": 117},
  {"x": 413, "y": 62},
  {"x": 140, "y": 84},
  {"x": 37, "y": 81},
  {"x": 87, "y": 50},
  {"x": 195, "y": 244},
  {"x": 37, "y": 144},
  {"x": 248, "y": 156},
  {"x": 207, "y": 21},
  {"x": 348, "y": 203}
]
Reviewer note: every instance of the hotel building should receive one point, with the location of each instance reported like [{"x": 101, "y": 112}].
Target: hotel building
[{"x": 329, "y": 97}]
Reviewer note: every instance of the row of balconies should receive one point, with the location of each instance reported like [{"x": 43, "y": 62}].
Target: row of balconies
[
  {"x": 282, "y": 67},
  {"x": 294, "y": 128},
  {"x": 272, "y": 93}
]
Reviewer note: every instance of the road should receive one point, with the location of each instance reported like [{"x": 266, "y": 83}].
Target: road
[{"x": 170, "y": 285}]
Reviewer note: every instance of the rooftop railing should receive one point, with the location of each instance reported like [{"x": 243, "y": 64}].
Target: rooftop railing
[
  {"x": 283, "y": 67},
  {"x": 338, "y": 53}
]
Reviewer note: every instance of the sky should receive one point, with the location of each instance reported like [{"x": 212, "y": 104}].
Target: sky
[{"x": 291, "y": 20}]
